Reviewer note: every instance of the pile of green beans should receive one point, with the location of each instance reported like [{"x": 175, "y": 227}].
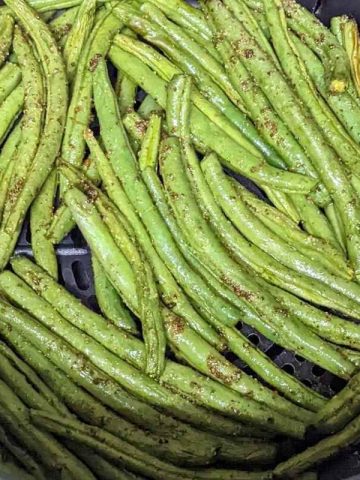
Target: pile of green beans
[{"x": 132, "y": 121}]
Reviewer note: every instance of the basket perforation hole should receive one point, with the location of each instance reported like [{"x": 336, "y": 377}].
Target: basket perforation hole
[
  {"x": 80, "y": 275},
  {"x": 317, "y": 371},
  {"x": 254, "y": 339},
  {"x": 274, "y": 351},
  {"x": 299, "y": 358},
  {"x": 337, "y": 384},
  {"x": 289, "y": 368}
]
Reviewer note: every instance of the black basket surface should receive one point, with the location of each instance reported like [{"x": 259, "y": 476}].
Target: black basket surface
[{"x": 75, "y": 273}]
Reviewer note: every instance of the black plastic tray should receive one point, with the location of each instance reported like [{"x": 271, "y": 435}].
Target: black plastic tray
[{"x": 75, "y": 273}]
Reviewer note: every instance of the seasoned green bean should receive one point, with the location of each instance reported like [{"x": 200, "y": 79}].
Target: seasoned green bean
[
  {"x": 51, "y": 452},
  {"x": 78, "y": 35},
  {"x": 56, "y": 86},
  {"x": 6, "y": 36},
  {"x": 319, "y": 452},
  {"x": 110, "y": 302},
  {"x": 10, "y": 77},
  {"x": 126, "y": 455},
  {"x": 41, "y": 213}
]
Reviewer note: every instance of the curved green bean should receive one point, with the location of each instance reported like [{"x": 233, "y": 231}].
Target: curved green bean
[
  {"x": 310, "y": 136},
  {"x": 319, "y": 452},
  {"x": 115, "y": 139},
  {"x": 50, "y": 452},
  {"x": 217, "y": 259},
  {"x": 56, "y": 86},
  {"x": 207, "y": 135},
  {"x": 33, "y": 379},
  {"x": 125, "y": 454},
  {"x": 127, "y": 347},
  {"x": 21, "y": 455},
  {"x": 31, "y": 122}
]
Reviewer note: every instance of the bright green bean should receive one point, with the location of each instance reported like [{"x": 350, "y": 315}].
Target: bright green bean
[
  {"x": 122, "y": 344},
  {"x": 6, "y": 36},
  {"x": 10, "y": 77},
  {"x": 115, "y": 139},
  {"x": 110, "y": 303},
  {"x": 78, "y": 35},
  {"x": 207, "y": 135},
  {"x": 33, "y": 379},
  {"x": 56, "y": 108},
  {"x": 78, "y": 118},
  {"x": 41, "y": 213}
]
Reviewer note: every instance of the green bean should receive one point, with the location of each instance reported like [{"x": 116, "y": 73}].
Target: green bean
[
  {"x": 8, "y": 149},
  {"x": 122, "y": 344},
  {"x": 333, "y": 131},
  {"x": 325, "y": 160},
  {"x": 328, "y": 326},
  {"x": 321, "y": 41},
  {"x": 40, "y": 218},
  {"x": 94, "y": 412},
  {"x": 234, "y": 120},
  {"x": 135, "y": 127},
  {"x": 32, "y": 120},
  {"x": 126, "y": 455},
  {"x": 124, "y": 373},
  {"x": 342, "y": 104},
  {"x": 207, "y": 135},
  {"x": 10, "y": 77},
  {"x": 336, "y": 222},
  {"x": 110, "y": 303},
  {"x": 21, "y": 455},
  {"x": 33, "y": 379},
  {"x": 247, "y": 352},
  {"x": 211, "y": 363},
  {"x": 340, "y": 409},
  {"x": 115, "y": 139},
  {"x": 53, "y": 128},
  {"x": 350, "y": 37},
  {"x": 283, "y": 203},
  {"x": 192, "y": 48},
  {"x": 148, "y": 107},
  {"x": 5, "y": 185},
  {"x": 287, "y": 230},
  {"x": 62, "y": 24},
  {"x": 21, "y": 387},
  {"x": 78, "y": 118},
  {"x": 126, "y": 91},
  {"x": 51, "y": 453},
  {"x": 321, "y": 451},
  {"x": 103, "y": 469},
  {"x": 77, "y": 36},
  {"x": 218, "y": 260},
  {"x": 81, "y": 371},
  {"x": 193, "y": 284},
  {"x": 247, "y": 224},
  {"x": 6, "y": 36},
  {"x": 245, "y": 385},
  {"x": 191, "y": 19},
  {"x": 314, "y": 221},
  {"x": 10, "y": 109}
]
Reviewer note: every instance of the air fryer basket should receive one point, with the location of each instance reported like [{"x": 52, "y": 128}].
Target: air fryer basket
[{"x": 75, "y": 273}]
